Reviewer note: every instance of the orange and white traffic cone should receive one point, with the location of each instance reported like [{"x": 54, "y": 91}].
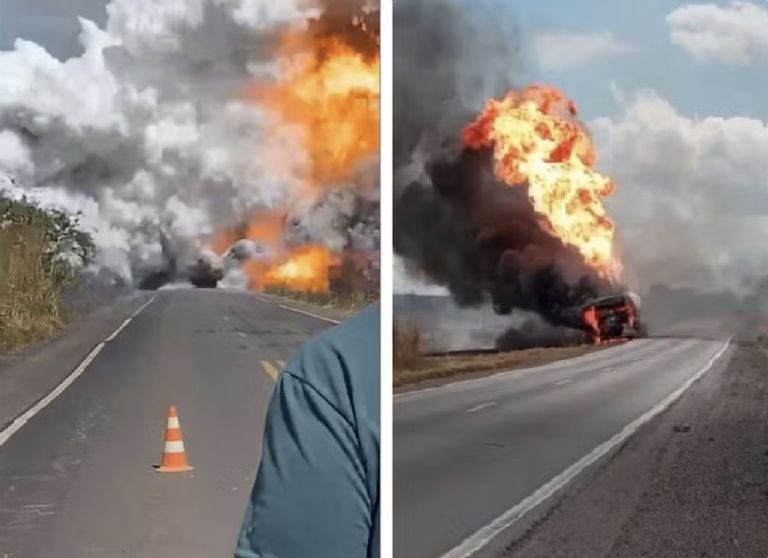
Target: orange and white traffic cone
[{"x": 174, "y": 456}]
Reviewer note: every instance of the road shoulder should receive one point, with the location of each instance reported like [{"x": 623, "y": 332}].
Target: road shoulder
[
  {"x": 693, "y": 482},
  {"x": 26, "y": 376},
  {"x": 333, "y": 315}
]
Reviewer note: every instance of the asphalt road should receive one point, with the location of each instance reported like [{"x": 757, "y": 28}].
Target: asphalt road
[
  {"x": 77, "y": 480},
  {"x": 466, "y": 453}
]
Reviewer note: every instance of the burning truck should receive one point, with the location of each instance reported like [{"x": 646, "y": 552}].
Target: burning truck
[
  {"x": 613, "y": 317},
  {"x": 514, "y": 212}
]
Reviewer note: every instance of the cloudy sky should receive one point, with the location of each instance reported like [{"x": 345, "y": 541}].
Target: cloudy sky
[{"x": 674, "y": 95}]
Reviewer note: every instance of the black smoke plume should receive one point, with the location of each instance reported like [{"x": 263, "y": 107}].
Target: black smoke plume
[{"x": 453, "y": 220}]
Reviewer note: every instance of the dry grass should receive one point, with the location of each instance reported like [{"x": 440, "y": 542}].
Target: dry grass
[
  {"x": 406, "y": 347},
  {"x": 30, "y": 301},
  {"x": 38, "y": 254},
  {"x": 347, "y": 302},
  {"x": 438, "y": 368}
]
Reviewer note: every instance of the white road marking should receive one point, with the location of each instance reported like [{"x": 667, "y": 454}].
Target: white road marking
[
  {"x": 284, "y": 307},
  {"x": 118, "y": 330},
  {"x": 143, "y": 306},
  {"x": 483, "y": 536},
  {"x": 25, "y": 417},
  {"x": 481, "y": 406},
  {"x": 562, "y": 382}
]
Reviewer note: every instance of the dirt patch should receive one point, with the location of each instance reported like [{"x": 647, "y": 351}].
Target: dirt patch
[
  {"x": 434, "y": 370},
  {"x": 693, "y": 482}
]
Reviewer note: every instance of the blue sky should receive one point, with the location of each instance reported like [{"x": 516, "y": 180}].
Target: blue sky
[
  {"x": 50, "y": 23},
  {"x": 693, "y": 87}
]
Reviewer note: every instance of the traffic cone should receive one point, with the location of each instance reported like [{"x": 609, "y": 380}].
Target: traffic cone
[{"x": 174, "y": 456}]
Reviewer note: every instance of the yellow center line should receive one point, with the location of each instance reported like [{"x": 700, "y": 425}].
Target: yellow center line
[{"x": 270, "y": 369}]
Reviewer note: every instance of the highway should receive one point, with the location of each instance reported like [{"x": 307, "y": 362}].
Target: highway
[
  {"x": 77, "y": 479},
  {"x": 468, "y": 453}
]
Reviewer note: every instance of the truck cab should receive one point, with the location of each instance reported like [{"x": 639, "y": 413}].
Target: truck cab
[{"x": 613, "y": 317}]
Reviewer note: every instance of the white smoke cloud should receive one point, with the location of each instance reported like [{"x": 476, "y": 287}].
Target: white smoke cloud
[
  {"x": 691, "y": 204},
  {"x": 736, "y": 34},
  {"x": 148, "y": 129}
]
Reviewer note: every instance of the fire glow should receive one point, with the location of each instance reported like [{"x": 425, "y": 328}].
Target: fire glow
[
  {"x": 306, "y": 270},
  {"x": 329, "y": 92},
  {"x": 538, "y": 140}
]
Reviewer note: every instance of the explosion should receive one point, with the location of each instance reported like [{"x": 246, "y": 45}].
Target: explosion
[
  {"x": 514, "y": 212},
  {"x": 538, "y": 142},
  {"x": 218, "y": 123},
  {"x": 329, "y": 92},
  {"x": 332, "y": 95},
  {"x": 306, "y": 270}
]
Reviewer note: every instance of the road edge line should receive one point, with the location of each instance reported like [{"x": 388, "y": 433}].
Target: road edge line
[
  {"x": 285, "y": 307},
  {"x": 128, "y": 320},
  {"x": 475, "y": 542},
  {"x": 17, "y": 423},
  {"x": 319, "y": 317}
]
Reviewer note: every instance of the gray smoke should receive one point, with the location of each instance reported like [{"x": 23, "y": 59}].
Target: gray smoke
[
  {"x": 149, "y": 136},
  {"x": 449, "y": 57}
]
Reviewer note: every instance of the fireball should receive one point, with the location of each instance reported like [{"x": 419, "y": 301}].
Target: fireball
[
  {"x": 330, "y": 92},
  {"x": 539, "y": 142},
  {"x": 306, "y": 269}
]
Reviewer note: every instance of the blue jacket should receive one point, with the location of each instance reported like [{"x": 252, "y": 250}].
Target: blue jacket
[{"x": 317, "y": 489}]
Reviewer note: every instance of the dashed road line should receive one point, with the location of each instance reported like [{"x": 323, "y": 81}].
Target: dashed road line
[
  {"x": 481, "y": 406},
  {"x": 270, "y": 369}
]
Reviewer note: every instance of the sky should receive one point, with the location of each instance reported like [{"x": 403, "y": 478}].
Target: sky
[
  {"x": 631, "y": 45},
  {"x": 51, "y": 24},
  {"x": 673, "y": 94}
]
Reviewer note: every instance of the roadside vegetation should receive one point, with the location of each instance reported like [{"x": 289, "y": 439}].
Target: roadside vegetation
[
  {"x": 412, "y": 365},
  {"x": 344, "y": 302},
  {"x": 40, "y": 253}
]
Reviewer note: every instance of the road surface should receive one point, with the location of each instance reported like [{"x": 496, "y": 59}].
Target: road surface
[
  {"x": 77, "y": 480},
  {"x": 468, "y": 452}
]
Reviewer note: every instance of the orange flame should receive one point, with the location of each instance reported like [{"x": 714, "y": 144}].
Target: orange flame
[
  {"x": 538, "y": 140},
  {"x": 329, "y": 91},
  {"x": 591, "y": 319},
  {"x": 306, "y": 270},
  {"x": 332, "y": 95}
]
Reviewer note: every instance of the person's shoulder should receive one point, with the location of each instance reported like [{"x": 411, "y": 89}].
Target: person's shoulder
[{"x": 342, "y": 364}]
